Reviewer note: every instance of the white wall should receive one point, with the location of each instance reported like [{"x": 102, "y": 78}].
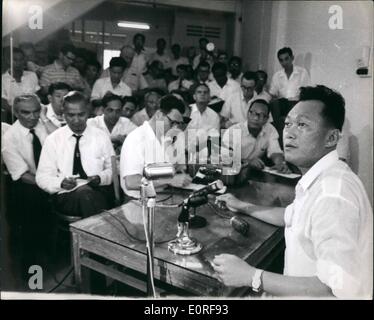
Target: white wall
[{"x": 330, "y": 57}]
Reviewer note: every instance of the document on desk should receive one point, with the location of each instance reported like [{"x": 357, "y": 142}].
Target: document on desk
[
  {"x": 284, "y": 175},
  {"x": 80, "y": 182}
]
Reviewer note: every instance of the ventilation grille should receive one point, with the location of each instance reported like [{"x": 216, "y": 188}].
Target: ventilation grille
[{"x": 203, "y": 31}]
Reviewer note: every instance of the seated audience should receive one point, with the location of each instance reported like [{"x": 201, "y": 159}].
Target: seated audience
[
  {"x": 21, "y": 148},
  {"x": 111, "y": 122},
  {"x": 222, "y": 87},
  {"x": 75, "y": 164},
  {"x": 21, "y": 82},
  {"x": 113, "y": 83},
  {"x": 61, "y": 70},
  {"x": 235, "y": 69},
  {"x": 129, "y": 107},
  {"x": 155, "y": 76},
  {"x": 261, "y": 87},
  {"x": 151, "y": 105},
  {"x": 176, "y": 59},
  {"x": 259, "y": 139},
  {"x": 181, "y": 83},
  {"x": 161, "y": 54},
  {"x": 54, "y": 111},
  {"x": 203, "y": 73}
]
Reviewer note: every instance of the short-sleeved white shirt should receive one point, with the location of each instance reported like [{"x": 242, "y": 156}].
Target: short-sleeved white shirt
[
  {"x": 251, "y": 147},
  {"x": 229, "y": 89},
  {"x": 329, "y": 230},
  {"x": 283, "y": 87},
  {"x": 123, "y": 126},
  {"x": 103, "y": 85},
  {"x": 140, "y": 148}
]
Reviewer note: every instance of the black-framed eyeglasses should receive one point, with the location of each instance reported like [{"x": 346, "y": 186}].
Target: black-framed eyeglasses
[
  {"x": 174, "y": 122},
  {"x": 260, "y": 116}
]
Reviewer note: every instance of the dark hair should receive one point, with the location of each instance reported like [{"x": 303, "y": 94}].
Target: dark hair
[
  {"x": 58, "y": 86},
  {"x": 75, "y": 97},
  {"x": 250, "y": 75},
  {"x": 176, "y": 45},
  {"x": 130, "y": 99},
  {"x": 138, "y": 35},
  {"x": 203, "y": 64},
  {"x": 182, "y": 66},
  {"x": 68, "y": 48},
  {"x": 262, "y": 101},
  {"x": 117, "y": 62},
  {"x": 203, "y": 39},
  {"x": 159, "y": 40},
  {"x": 169, "y": 102},
  {"x": 194, "y": 88},
  {"x": 285, "y": 50},
  {"x": 219, "y": 66},
  {"x": 236, "y": 58},
  {"x": 95, "y": 63},
  {"x": 333, "y": 103},
  {"x": 264, "y": 73},
  {"x": 110, "y": 97}
]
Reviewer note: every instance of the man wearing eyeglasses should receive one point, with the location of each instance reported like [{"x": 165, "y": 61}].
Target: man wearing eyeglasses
[
  {"x": 61, "y": 70},
  {"x": 259, "y": 139},
  {"x": 236, "y": 107},
  {"x": 148, "y": 144}
]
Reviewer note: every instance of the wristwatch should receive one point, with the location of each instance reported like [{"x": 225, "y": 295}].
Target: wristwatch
[{"x": 257, "y": 281}]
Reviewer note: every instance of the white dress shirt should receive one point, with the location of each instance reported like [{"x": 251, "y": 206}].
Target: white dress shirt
[
  {"x": 17, "y": 149},
  {"x": 10, "y": 88},
  {"x": 51, "y": 115},
  {"x": 283, "y": 87},
  {"x": 139, "y": 117},
  {"x": 141, "y": 147},
  {"x": 207, "y": 120},
  {"x": 251, "y": 147},
  {"x": 139, "y": 62},
  {"x": 229, "y": 89},
  {"x": 174, "y": 63},
  {"x": 164, "y": 59},
  {"x": 57, "y": 158},
  {"x": 236, "y": 108},
  {"x": 329, "y": 230},
  {"x": 134, "y": 80},
  {"x": 103, "y": 85},
  {"x": 123, "y": 126}
]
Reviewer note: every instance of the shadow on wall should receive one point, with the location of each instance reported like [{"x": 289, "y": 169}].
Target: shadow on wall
[{"x": 305, "y": 61}]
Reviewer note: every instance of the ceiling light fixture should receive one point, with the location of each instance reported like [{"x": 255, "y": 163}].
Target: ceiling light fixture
[{"x": 133, "y": 25}]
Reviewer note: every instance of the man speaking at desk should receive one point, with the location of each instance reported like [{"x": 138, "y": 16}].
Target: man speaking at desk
[
  {"x": 148, "y": 144},
  {"x": 329, "y": 225}
]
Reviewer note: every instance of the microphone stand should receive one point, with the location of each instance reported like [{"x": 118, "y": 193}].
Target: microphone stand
[
  {"x": 184, "y": 244},
  {"x": 148, "y": 199}
]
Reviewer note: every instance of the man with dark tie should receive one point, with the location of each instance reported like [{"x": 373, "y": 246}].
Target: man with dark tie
[
  {"x": 75, "y": 163},
  {"x": 22, "y": 145}
]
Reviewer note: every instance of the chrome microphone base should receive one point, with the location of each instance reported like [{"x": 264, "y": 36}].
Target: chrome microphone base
[{"x": 184, "y": 246}]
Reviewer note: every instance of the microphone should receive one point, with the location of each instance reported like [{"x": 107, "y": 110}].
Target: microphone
[
  {"x": 155, "y": 171},
  {"x": 210, "y": 188}
]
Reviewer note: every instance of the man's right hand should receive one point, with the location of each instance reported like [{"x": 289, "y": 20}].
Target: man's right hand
[
  {"x": 256, "y": 163},
  {"x": 180, "y": 180},
  {"x": 68, "y": 183}
]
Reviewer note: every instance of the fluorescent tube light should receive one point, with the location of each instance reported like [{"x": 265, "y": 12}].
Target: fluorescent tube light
[{"x": 133, "y": 25}]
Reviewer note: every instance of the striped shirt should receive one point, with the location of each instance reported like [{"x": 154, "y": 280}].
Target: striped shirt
[{"x": 55, "y": 73}]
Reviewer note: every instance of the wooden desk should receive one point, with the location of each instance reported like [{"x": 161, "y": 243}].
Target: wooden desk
[{"x": 104, "y": 236}]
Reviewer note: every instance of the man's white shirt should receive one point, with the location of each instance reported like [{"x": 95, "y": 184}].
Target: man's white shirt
[
  {"x": 265, "y": 143},
  {"x": 229, "y": 89},
  {"x": 57, "y": 157},
  {"x": 140, "y": 148},
  {"x": 123, "y": 126},
  {"x": 283, "y": 87},
  {"x": 51, "y": 115},
  {"x": 103, "y": 85},
  {"x": 329, "y": 230},
  {"x": 10, "y": 88},
  {"x": 17, "y": 148}
]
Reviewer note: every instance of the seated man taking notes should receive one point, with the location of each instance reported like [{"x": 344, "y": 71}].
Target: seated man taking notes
[
  {"x": 147, "y": 144},
  {"x": 328, "y": 226},
  {"x": 77, "y": 151}
]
